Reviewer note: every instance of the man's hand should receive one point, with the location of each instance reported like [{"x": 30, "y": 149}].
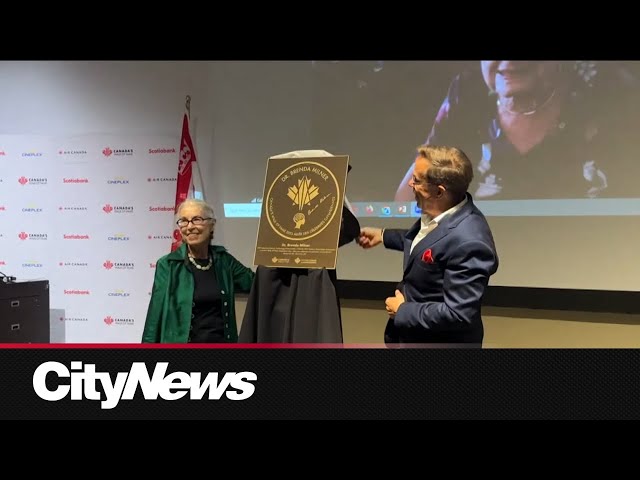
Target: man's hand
[
  {"x": 393, "y": 303},
  {"x": 370, "y": 237}
]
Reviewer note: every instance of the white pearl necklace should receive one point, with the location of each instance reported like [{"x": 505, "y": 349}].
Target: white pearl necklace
[
  {"x": 530, "y": 112},
  {"x": 200, "y": 267}
]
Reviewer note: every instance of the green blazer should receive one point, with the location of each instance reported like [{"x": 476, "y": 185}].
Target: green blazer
[{"x": 169, "y": 313}]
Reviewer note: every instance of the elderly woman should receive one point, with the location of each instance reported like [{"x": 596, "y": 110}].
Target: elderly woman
[
  {"x": 193, "y": 297},
  {"x": 542, "y": 129}
]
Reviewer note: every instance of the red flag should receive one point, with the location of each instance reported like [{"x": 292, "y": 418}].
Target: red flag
[{"x": 186, "y": 161}]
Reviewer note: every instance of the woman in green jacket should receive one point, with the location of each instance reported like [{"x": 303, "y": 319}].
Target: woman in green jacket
[{"x": 193, "y": 296}]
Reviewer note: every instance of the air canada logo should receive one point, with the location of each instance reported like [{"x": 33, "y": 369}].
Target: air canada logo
[
  {"x": 161, "y": 179},
  {"x": 302, "y": 201},
  {"x": 72, "y": 152},
  {"x": 72, "y": 209},
  {"x": 159, "y": 237},
  {"x": 73, "y": 264}
]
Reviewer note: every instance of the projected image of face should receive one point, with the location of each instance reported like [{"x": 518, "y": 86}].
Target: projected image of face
[
  {"x": 542, "y": 129},
  {"x": 547, "y": 131},
  {"x": 510, "y": 78}
]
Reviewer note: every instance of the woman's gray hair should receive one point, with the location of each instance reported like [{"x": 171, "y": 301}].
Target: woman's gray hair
[{"x": 192, "y": 202}]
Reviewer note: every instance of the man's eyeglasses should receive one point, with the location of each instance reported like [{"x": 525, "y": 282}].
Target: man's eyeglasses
[
  {"x": 183, "y": 222},
  {"x": 419, "y": 181}
]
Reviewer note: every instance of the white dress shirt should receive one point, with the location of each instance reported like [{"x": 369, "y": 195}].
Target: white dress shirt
[{"x": 428, "y": 224}]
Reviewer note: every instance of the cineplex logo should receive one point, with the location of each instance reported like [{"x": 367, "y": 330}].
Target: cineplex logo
[{"x": 84, "y": 378}]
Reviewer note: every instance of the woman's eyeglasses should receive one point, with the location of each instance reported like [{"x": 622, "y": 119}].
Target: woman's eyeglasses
[{"x": 183, "y": 222}]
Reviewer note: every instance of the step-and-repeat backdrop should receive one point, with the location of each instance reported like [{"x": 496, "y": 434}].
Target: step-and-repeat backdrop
[{"x": 91, "y": 214}]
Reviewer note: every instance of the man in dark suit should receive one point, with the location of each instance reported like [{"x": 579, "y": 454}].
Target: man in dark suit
[{"x": 449, "y": 255}]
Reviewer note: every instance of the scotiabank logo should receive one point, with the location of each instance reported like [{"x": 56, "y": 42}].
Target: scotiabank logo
[
  {"x": 108, "y": 208},
  {"x": 153, "y": 151},
  {"x": 161, "y": 209},
  {"x": 2, "y": 153},
  {"x": 2, "y": 208},
  {"x": 79, "y": 381},
  {"x": 75, "y": 236},
  {"x": 77, "y": 292},
  {"x": 75, "y": 180},
  {"x": 2, "y": 263}
]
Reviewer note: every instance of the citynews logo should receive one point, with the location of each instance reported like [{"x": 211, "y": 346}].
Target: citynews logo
[{"x": 83, "y": 379}]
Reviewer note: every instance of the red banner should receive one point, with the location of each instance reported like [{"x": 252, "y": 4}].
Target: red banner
[{"x": 186, "y": 157}]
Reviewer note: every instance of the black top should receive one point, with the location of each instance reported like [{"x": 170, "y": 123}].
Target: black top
[{"x": 207, "y": 324}]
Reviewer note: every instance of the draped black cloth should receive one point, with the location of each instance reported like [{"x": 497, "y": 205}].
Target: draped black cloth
[{"x": 295, "y": 305}]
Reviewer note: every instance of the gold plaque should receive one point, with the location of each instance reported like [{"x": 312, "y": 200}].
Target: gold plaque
[{"x": 301, "y": 212}]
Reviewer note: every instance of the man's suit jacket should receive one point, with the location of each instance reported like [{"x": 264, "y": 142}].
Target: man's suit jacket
[{"x": 444, "y": 279}]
